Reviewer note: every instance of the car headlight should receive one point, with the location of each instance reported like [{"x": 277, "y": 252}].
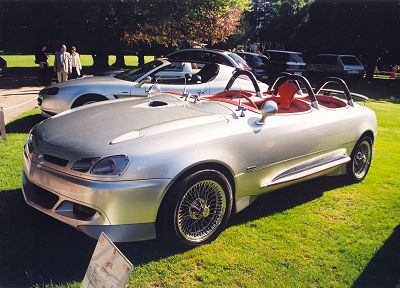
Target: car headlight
[
  {"x": 85, "y": 164},
  {"x": 49, "y": 91},
  {"x": 113, "y": 165},
  {"x": 30, "y": 143}
]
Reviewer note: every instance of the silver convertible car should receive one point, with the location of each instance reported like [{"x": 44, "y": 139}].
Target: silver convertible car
[
  {"x": 178, "y": 167},
  {"x": 177, "y": 76}
]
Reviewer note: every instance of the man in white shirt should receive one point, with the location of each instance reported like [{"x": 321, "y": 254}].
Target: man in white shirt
[{"x": 62, "y": 64}]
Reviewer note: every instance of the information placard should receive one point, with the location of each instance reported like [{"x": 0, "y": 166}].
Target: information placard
[{"x": 108, "y": 267}]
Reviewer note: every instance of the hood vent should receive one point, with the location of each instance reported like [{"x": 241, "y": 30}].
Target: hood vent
[{"x": 157, "y": 103}]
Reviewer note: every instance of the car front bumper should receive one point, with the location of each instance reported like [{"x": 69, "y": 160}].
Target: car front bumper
[{"x": 125, "y": 210}]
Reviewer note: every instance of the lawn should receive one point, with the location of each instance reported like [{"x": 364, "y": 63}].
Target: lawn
[
  {"x": 29, "y": 60},
  {"x": 322, "y": 233}
]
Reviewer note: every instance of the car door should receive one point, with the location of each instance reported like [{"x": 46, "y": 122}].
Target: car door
[{"x": 291, "y": 147}]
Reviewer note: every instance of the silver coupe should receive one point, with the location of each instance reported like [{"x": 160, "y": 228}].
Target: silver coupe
[
  {"x": 177, "y": 76},
  {"x": 178, "y": 167}
]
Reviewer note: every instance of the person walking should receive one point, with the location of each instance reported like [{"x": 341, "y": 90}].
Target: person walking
[
  {"x": 62, "y": 64},
  {"x": 41, "y": 59},
  {"x": 75, "y": 63}
]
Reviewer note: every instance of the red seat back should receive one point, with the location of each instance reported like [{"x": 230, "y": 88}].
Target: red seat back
[{"x": 287, "y": 91}]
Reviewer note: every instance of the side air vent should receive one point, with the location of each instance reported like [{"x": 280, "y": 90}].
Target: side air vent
[{"x": 55, "y": 160}]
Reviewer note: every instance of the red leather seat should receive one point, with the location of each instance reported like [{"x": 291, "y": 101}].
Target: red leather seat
[{"x": 287, "y": 91}]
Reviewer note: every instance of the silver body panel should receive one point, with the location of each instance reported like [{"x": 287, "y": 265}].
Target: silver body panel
[{"x": 168, "y": 140}]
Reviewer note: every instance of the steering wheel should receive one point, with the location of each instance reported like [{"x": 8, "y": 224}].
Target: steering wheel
[{"x": 243, "y": 94}]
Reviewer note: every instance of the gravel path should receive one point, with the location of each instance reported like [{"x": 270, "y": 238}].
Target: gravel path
[{"x": 17, "y": 101}]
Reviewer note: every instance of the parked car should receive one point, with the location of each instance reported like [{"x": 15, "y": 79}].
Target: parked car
[
  {"x": 204, "y": 77},
  {"x": 285, "y": 61},
  {"x": 177, "y": 168},
  {"x": 346, "y": 66},
  {"x": 259, "y": 63},
  {"x": 211, "y": 56},
  {"x": 3, "y": 66}
]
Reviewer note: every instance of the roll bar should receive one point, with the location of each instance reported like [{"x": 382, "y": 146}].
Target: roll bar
[
  {"x": 280, "y": 76},
  {"x": 300, "y": 79},
  {"x": 342, "y": 85},
  {"x": 251, "y": 76}
]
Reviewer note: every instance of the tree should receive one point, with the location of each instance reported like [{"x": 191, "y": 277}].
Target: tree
[
  {"x": 274, "y": 23},
  {"x": 207, "y": 21}
]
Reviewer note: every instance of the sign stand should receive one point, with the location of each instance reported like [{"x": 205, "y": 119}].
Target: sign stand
[
  {"x": 2, "y": 125},
  {"x": 108, "y": 268}
]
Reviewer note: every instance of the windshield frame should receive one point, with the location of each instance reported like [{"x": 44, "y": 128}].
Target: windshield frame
[{"x": 141, "y": 75}]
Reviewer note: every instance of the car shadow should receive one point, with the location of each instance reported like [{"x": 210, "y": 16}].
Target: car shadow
[
  {"x": 37, "y": 249},
  {"x": 383, "y": 270},
  {"x": 286, "y": 198},
  {"x": 24, "y": 124}
]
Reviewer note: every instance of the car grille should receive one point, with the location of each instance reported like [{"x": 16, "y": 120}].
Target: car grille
[
  {"x": 40, "y": 196},
  {"x": 55, "y": 160}
]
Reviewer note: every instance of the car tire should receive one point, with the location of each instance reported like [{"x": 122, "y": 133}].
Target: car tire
[
  {"x": 196, "y": 209},
  {"x": 361, "y": 157},
  {"x": 87, "y": 99}
]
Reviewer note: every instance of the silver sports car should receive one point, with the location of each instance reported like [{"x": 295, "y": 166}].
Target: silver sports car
[
  {"x": 178, "y": 167},
  {"x": 190, "y": 77}
]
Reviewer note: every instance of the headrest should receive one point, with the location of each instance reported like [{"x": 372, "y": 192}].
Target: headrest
[{"x": 287, "y": 91}]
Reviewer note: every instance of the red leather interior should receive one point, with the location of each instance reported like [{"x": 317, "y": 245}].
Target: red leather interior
[
  {"x": 232, "y": 96},
  {"x": 328, "y": 102},
  {"x": 286, "y": 92}
]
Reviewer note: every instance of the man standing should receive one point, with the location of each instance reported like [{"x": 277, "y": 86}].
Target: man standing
[
  {"x": 41, "y": 59},
  {"x": 62, "y": 64}
]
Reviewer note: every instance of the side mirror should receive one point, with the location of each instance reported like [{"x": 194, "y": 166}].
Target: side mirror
[
  {"x": 145, "y": 80},
  {"x": 269, "y": 108}
]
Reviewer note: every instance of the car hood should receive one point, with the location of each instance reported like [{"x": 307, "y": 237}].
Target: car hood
[{"x": 110, "y": 124}]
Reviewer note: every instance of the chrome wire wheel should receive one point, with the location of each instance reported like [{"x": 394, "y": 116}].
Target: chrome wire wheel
[
  {"x": 201, "y": 211},
  {"x": 362, "y": 159}
]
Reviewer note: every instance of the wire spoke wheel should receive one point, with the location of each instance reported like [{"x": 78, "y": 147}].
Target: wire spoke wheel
[
  {"x": 201, "y": 210},
  {"x": 362, "y": 159}
]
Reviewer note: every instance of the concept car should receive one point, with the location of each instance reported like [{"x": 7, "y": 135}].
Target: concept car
[{"x": 178, "y": 166}]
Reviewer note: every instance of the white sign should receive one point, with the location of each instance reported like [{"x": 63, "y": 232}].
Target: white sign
[{"x": 108, "y": 267}]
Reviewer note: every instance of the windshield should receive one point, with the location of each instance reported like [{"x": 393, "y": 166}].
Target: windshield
[
  {"x": 239, "y": 60},
  {"x": 134, "y": 74}
]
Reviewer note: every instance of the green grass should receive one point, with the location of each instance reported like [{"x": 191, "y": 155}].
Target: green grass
[
  {"x": 322, "y": 233},
  {"x": 29, "y": 60}
]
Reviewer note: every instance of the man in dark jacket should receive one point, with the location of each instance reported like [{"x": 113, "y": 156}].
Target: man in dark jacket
[{"x": 41, "y": 59}]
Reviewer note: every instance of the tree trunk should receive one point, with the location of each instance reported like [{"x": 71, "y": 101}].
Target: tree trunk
[
  {"x": 140, "y": 59},
  {"x": 100, "y": 62},
  {"x": 371, "y": 63},
  {"x": 120, "y": 61}
]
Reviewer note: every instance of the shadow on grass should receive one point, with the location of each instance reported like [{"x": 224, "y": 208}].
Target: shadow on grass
[
  {"x": 25, "y": 124},
  {"x": 283, "y": 199},
  {"x": 37, "y": 249},
  {"x": 384, "y": 268}
]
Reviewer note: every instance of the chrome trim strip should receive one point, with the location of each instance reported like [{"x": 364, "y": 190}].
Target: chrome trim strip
[{"x": 308, "y": 172}]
